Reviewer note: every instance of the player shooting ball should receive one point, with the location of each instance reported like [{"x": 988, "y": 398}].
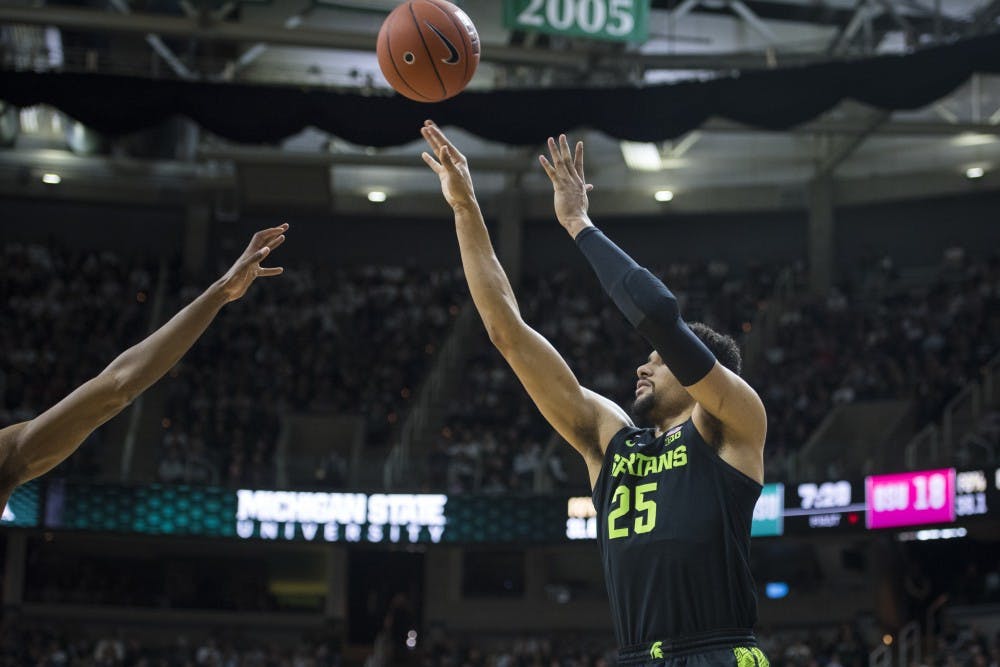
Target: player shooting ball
[{"x": 675, "y": 498}]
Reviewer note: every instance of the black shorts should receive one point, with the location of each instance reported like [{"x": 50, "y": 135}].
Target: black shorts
[{"x": 735, "y": 651}]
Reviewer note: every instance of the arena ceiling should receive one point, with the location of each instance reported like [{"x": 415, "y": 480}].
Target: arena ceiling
[{"x": 872, "y": 154}]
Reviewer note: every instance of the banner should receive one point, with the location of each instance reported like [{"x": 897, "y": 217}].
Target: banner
[{"x": 612, "y": 20}]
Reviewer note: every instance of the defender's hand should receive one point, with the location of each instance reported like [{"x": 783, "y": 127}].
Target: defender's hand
[
  {"x": 247, "y": 268},
  {"x": 568, "y": 183},
  {"x": 450, "y": 166}
]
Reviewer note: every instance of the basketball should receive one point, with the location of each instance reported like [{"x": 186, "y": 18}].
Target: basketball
[{"x": 428, "y": 50}]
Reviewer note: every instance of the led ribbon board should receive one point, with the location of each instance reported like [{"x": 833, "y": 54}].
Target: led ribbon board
[
  {"x": 910, "y": 498},
  {"x": 22, "y": 508},
  {"x": 768, "y": 513}
]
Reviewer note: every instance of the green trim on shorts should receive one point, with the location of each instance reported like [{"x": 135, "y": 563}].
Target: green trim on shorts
[{"x": 750, "y": 657}]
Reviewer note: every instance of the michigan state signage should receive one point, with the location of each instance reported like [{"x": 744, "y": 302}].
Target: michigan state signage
[{"x": 614, "y": 20}]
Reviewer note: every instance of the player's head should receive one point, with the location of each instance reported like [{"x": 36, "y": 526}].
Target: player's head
[{"x": 660, "y": 396}]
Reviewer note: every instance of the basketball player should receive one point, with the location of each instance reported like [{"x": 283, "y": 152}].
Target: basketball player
[
  {"x": 32, "y": 448},
  {"x": 675, "y": 498}
]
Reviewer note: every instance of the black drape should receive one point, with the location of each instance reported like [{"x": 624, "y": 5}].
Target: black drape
[{"x": 769, "y": 99}]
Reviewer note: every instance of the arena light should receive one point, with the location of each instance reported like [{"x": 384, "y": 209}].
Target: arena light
[
  {"x": 377, "y": 196},
  {"x": 51, "y": 179},
  {"x": 775, "y": 590},
  {"x": 974, "y": 172},
  {"x": 973, "y": 139},
  {"x": 641, "y": 156},
  {"x": 663, "y": 195}
]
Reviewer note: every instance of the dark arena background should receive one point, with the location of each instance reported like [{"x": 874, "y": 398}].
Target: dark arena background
[{"x": 344, "y": 471}]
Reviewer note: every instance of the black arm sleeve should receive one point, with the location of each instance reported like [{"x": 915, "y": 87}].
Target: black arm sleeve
[{"x": 649, "y": 306}]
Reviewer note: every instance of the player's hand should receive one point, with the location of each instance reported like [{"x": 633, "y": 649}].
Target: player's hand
[
  {"x": 247, "y": 268},
  {"x": 450, "y": 166},
  {"x": 569, "y": 184}
]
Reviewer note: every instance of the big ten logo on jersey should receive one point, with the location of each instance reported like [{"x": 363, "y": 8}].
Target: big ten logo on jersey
[{"x": 638, "y": 464}]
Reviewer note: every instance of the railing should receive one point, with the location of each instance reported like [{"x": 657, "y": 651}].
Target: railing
[
  {"x": 960, "y": 414},
  {"x": 909, "y": 644},
  {"x": 880, "y": 657},
  {"x": 135, "y": 414},
  {"x": 398, "y": 465},
  {"x": 959, "y": 417},
  {"x": 924, "y": 448},
  {"x": 766, "y": 320},
  {"x": 931, "y": 620}
]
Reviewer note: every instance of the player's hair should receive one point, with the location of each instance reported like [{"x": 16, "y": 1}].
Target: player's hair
[{"x": 722, "y": 346}]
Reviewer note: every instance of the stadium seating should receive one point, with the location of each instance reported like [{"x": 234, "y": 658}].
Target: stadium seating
[{"x": 359, "y": 340}]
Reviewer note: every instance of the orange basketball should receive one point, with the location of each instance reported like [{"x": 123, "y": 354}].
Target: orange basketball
[{"x": 428, "y": 50}]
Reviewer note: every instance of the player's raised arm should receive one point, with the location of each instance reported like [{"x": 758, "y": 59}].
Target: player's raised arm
[
  {"x": 653, "y": 311},
  {"x": 34, "y": 447},
  {"x": 586, "y": 420}
]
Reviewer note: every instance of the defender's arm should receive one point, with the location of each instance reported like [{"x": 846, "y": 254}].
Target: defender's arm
[{"x": 34, "y": 447}]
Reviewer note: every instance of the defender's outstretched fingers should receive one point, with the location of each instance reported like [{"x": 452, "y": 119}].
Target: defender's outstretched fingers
[
  {"x": 263, "y": 272},
  {"x": 252, "y": 259},
  {"x": 578, "y": 161},
  {"x": 277, "y": 241},
  {"x": 265, "y": 236}
]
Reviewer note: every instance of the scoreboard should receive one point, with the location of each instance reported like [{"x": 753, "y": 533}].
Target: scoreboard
[
  {"x": 938, "y": 499},
  {"x": 910, "y": 498},
  {"x": 928, "y": 497}
]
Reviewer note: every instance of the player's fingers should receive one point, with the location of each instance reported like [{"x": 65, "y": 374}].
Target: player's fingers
[
  {"x": 431, "y": 162},
  {"x": 272, "y": 231},
  {"x": 278, "y": 240},
  {"x": 554, "y": 152},
  {"x": 433, "y": 140},
  {"x": 590, "y": 187},
  {"x": 254, "y": 258},
  {"x": 445, "y": 158},
  {"x": 270, "y": 271},
  {"x": 549, "y": 169},
  {"x": 564, "y": 151},
  {"x": 450, "y": 158},
  {"x": 439, "y": 135},
  {"x": 265, "y": 236},
  {"x": 578, "y": 160}
]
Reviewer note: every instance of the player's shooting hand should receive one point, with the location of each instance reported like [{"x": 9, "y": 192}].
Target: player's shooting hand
[
  {"x": 450, "y": 166},
  {"x": 568, "y": 183},
  {"x": 247, "y": 268}
]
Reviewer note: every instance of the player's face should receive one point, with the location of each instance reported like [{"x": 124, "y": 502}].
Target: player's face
[{"x": 658, "y": 394}]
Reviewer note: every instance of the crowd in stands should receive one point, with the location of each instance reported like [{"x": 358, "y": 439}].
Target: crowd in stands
[
  {"x": 66, "y": 314},
  {"x": 320, "y": 339},
  {"x": 360, "y": 340},
  {"x": 982, "y": 443},
  {"x": 878, "y": 339},
  {"x": 52, "y": 646},
  {"x": 870, "y": 337}
]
